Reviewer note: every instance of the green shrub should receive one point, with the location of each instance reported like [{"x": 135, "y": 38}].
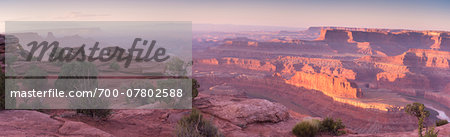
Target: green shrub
[
  {"x": 33, "y": 104},
  {"x": 6, "y": 86},
  {"x": 10, "y": 59},
  {"x": 332, "y": 126},
  {"x": 93, "y": 107},
  {"x": 55, "y": 56},
  {"x": 96, "y": 113},
  {"x": 35, "y": 83},
  {"x": 306, "y": 128},
  {"x": 431, "y": 133},
  {"x": 2, "y": 91},
  {"x": 139, "y": 84},
  {"x": 441, "y": 122},
  {"x": 176, "y": 67},
  {"x": 418, "y": 110},
  {"x": 85, "y": 73},
  {"x": 194, "y": 125},
  {"x": 195, "y": 86}
]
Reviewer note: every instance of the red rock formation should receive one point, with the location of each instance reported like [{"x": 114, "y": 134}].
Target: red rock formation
[
  {"x": 408, "y": 83},
  {"x": 416, "y": 58},
  {"x": 240, "y": 42},
  {"x": 305, "y": 60},
  {"x": 242, "y": 111},
  {"x": 441, "y": 41},
  {"x": 364, "y": 48},
  {"x": 426, "y": 58},
  {"x": 329, "y": 85},
  {"x": 385, "y": 41},
  {"x": 326, "y": 75},
  {"x": 315, "y": 65},
  {"x": 444, "y": 131},
  {"x": 249, "y": 64},
  {"x": 441, "y": 97},
  {"x": 20, "y": 123},
  {"x": 252, "y": 64},
  {"x": 212, "y": 61}
]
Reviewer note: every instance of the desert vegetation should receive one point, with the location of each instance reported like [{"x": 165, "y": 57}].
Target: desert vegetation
[
  {"x": 308, "y": 128},
  {"x": 139, "y": 84},
  {"x": 331, "y": 126},
  {"x": 35, "y": 83},
  {"x": 418, "y": 110},
  {"x": 114, "y": 66},
  {"x": 431, "y": 133},
  {"x": 194, "y": 125},
  {"x": 7, "y": 85},
  {"x": 86, "y": 74},
  {"x": 2, "y": 91},
  {"x": 195, "y": 86},
  {"x": 441, "y": 122},
  {"x": 311, "y": 128}
]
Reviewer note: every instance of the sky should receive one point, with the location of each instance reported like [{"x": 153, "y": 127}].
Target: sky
[{"x": 394, "y": 14}]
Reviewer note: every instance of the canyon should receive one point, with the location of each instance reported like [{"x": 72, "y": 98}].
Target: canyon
[
  {"x": 263, "y": 83},
  {"x": 369, "y": 72}
]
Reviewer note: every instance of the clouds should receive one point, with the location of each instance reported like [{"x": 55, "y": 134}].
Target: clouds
[{"x": 74, "y": 15}]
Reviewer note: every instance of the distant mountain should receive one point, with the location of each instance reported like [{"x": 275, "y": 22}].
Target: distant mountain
[{"x": 237, "y": 28}]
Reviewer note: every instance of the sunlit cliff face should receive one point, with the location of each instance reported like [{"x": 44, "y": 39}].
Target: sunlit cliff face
[{"x": 399, "y": 60}]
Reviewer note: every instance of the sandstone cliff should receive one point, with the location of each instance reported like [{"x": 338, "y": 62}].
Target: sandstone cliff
[
  {"x": 390, "y": 42},
  {"x": 416, "y": 58},
  {"x": 326, "y": 75},
  {"x": 252, "y": 64},
  {"x": 288, "y": 65},
  {"x": 211, "y": 61},
  {"x": 241, "y": 111},
  {"x": 329, "y": 85},
  {"x": 408, "y": 83}
]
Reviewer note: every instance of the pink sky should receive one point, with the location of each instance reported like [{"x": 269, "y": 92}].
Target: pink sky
[{"x": 419, "y": 15}]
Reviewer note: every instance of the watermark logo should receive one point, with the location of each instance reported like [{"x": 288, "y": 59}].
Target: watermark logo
[
  {"x": 98, "y": 65},
  {"x": 69, "y": 54}
]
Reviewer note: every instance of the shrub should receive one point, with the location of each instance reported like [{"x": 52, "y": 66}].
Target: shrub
[
  {"x": 306, "y": 128},
  {"x": 431, "y": 133},
  {"x": 176, "y": 67},
  {"x": 34, "y": 104},
  {"x": 2, "y": 92},
  {"x": 96, "y": 113},
  {"x": 93, "y": 107},
  {"x": 140, "y": 84},
  {"x": 194, "y": 125},
  {"x": 7, "y": 85},
  {"x": 441, "y": 122},
  {"x": 10, "y": 59},
  {"x": 83, "y": 71},
  {"x": 85, "y": 74},
  {"x": 331, "y": 126},
  {"x": 35, "y": 83},
  {"x": 195, "y": 86},
  {"x": 418, "y": 110},
  {"x": 114, "y": 65}
]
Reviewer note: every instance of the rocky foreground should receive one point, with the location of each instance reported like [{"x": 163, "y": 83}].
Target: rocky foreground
[
  {"x": 234, "y": 116},
  {"x": 33, "y": 123}
]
